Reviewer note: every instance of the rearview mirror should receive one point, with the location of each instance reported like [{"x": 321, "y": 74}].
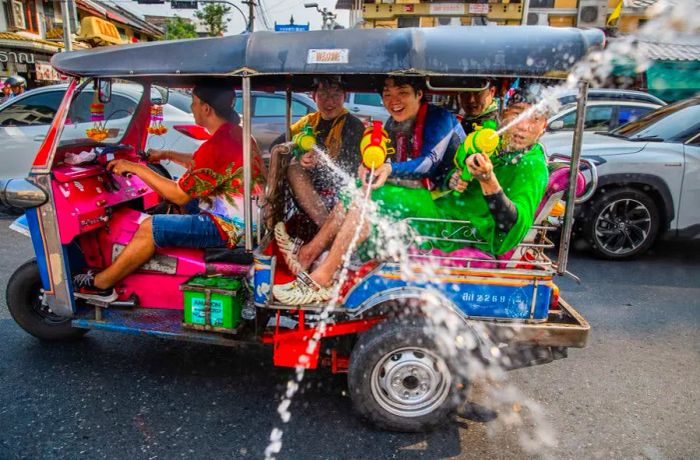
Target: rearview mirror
[
  {"x": 556, "y": 125},
  {"x": 159, "y": 95},
  {"x": 104, "y": 90}
]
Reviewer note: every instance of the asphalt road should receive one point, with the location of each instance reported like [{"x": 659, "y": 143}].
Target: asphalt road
[{"x": 634, "y": 392}]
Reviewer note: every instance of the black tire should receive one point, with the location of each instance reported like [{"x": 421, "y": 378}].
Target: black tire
[
  {"x": 24, "y": 302},
  {"x": 621, "y": 224},
  {"x": 396, "y": 348}
]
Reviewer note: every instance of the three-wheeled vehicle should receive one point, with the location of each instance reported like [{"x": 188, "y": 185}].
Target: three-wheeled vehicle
[{"x": 81, "y": 216}]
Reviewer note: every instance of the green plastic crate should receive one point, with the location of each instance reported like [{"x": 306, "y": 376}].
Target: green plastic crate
[{"x": 213, "y": 303}]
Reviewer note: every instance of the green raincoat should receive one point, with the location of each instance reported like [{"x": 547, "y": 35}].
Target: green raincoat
[{"x": 523, "y": 178}]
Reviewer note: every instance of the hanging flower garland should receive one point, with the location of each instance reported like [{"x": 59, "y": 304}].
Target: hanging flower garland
[
  {"x": 99, "y": 131},
  {"x": 156, "y": 127}
]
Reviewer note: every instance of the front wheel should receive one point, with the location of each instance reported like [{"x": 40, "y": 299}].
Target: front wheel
[
  {"x": 622, "y": 224},
  {"x": 26, "y": 304},
  {"x": 398, "y": 379}
]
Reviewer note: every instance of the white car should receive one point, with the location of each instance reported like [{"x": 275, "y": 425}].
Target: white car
[
  {"x": 25, "y": 120},
  {"x": 648, "y": 181},
  {"x": 366, "y": 106},
  {"x": 601, "y": 115}
]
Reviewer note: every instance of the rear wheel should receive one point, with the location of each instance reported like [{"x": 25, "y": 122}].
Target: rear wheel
[
  {"x": 398, "y": 379},
  {"x": 622, "y": 224},
  {"x": 25, "y": 301}
]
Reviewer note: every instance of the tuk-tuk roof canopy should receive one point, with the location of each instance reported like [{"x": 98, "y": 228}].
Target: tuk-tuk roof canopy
[{"x": 529, "y": 51}]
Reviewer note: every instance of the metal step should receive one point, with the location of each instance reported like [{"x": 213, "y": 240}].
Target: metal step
[{"x": 165, "y": 324}]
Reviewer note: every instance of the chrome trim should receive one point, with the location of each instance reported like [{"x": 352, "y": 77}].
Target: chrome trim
[
  {"x": 59, "y": 295},
  {"x": 21, "y": 193}
]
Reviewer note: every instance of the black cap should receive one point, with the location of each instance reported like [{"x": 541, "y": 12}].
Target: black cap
[
  {"x": 219, "y": 95},
  {"x": 476, "y": 84}
]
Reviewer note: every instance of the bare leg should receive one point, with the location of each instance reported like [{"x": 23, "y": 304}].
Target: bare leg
[
  {"x": 305, "y": 194},
  {"x": 323, "y": 275},
  {"x": 324, "y": 238},
  {"x": 139, "y": 251}
]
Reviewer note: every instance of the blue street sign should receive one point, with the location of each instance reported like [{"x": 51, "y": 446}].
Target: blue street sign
[{"x": 291, "y": 28}]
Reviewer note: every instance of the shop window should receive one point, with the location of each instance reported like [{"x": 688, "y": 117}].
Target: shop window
[
  {"x": 408, "y": 22},
  {"x": 38, "y": 109}
]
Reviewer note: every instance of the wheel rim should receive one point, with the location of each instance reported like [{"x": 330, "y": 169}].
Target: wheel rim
[
  {"x": 410, "y": 382},
  {"x": 623, "y": 226}
]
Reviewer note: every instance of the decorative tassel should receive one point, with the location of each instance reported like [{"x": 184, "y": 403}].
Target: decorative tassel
[
  {"x": 156, "y": 127},
  {"x": 99, "y": 131}
]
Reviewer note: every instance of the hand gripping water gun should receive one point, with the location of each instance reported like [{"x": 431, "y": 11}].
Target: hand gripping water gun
[
  {"x": 373, "y": 146},
  {"x": 303, "y": 141},
  {"x": 483, "y": 139}
]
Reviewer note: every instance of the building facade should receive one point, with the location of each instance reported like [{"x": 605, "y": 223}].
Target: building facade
[
  {"x": 557, "y": 13},
  {"x": 31, "y": 31}
]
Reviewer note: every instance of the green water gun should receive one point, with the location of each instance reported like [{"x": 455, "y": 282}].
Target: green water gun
[
  {"x": 484, "y": 139},
  {"x": 303, "y": 141}
]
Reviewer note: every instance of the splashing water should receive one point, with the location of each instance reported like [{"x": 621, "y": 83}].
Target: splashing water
[
  {"x": 668, "y": 21},
  {"x": 470, "y": 345},
  {"x": 275, "y": 444}
]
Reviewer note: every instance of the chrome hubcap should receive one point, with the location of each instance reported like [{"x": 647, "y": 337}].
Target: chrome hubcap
[
  {"x": 410, "y": 382},
  {"x": 623, "y": 226}
]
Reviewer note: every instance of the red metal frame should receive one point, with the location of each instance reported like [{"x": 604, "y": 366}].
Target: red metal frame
[{"x": 290, "y": 348}]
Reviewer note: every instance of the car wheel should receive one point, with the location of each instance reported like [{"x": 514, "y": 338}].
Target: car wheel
[
  {"x": 26, "y": 305},
  {"x": 622, "y": 224},
  {"x": 398, "y": 379}
]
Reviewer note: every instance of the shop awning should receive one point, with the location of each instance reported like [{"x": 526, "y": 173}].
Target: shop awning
[{"x": 13, "y": 40}]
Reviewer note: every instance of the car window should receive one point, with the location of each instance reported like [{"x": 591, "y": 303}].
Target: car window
[
  {"x": 181, "y": 101},
  {"x": 597, "y": 118},
  {"x": 627, "y": 114},
  {"x": 270, "y": 106},
  {"x": 672, "y": 123},
  {"x": 38, "y": 109},
  {"x": 118, "y": 107},
  {"x": 373, "y": 99}
]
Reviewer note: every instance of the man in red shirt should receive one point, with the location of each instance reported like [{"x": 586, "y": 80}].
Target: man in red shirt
[{"x": 214, "y": 177}]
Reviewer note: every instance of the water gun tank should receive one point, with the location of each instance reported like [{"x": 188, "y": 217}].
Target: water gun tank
[{"x": 374, "y": 146}]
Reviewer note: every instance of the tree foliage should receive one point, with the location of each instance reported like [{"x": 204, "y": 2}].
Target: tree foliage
[
  {"x": 178, "y": 28},
  {"x": 213, "y": 15}
]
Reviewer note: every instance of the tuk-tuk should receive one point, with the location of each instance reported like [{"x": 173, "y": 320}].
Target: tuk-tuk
[{"x": 400, "y": 376}]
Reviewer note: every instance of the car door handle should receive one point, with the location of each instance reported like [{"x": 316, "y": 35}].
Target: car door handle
[
  {"x": 355, "y": 109},
  {"x": 39, "y": 137},
  {"x": 673, "y": 164}
]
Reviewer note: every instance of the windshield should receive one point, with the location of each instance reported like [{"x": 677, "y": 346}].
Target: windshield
[
  {"x": 674, "y": 123},
  {"x": 118, "y": 113}
]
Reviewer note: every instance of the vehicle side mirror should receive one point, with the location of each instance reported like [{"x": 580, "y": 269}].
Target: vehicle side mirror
[
  {"x": 104, "y": 90},
  {"x": 556, "y": 125},
  {"x": 159, "y": 95}
]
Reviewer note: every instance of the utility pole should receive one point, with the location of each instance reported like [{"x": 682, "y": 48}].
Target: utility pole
[
  {"x": 67, "y": 33},
  {"x": 251, "y": 14}
]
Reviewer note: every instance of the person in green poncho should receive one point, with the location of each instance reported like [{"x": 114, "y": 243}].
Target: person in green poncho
[{"x": 500, "y": 202}]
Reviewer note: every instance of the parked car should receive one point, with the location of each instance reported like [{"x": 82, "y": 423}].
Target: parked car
[
  {"x": 366, "y": 106},
  {"x": 601, "y": 115},
  {"x": 268, "y": 112},
  {"x": 25, "y": 120},
  {"x": 648, "y": 180},
  {"x": 605, "y": 94}
]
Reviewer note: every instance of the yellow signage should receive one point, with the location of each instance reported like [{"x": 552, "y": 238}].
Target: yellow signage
[{"x": 99, "y": 32}]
